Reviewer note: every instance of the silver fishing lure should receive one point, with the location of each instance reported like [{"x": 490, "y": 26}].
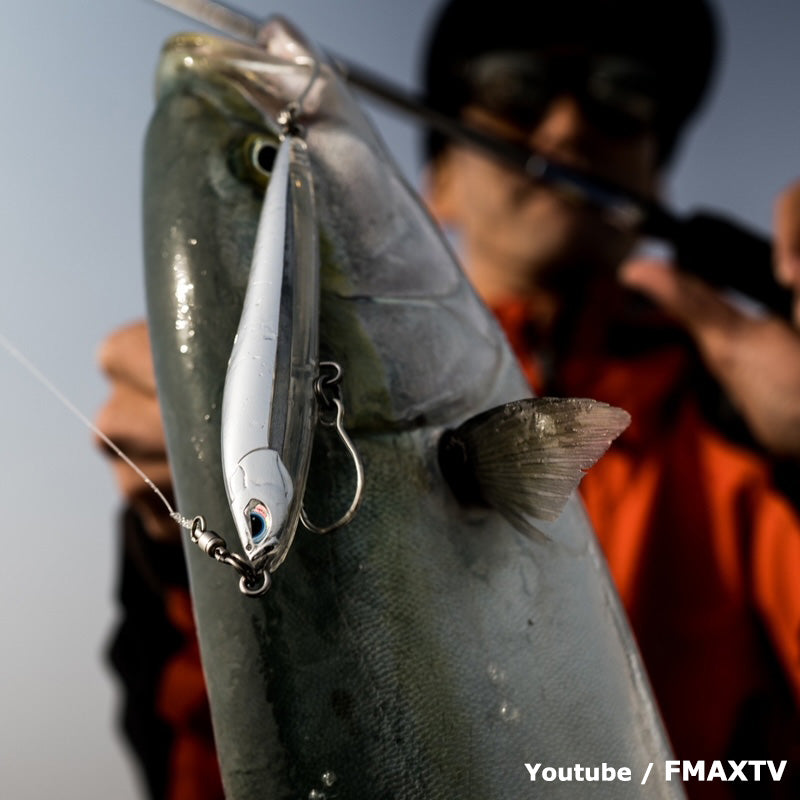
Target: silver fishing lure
[{"x": 268, "y": 409}]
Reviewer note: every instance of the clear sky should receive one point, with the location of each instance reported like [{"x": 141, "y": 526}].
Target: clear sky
[{"x": 78, "y": 81}]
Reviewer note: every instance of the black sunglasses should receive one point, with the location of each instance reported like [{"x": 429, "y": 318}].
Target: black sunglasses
[{"x": 618, "y": 96}]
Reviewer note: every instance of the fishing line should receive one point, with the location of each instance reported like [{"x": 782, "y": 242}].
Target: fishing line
[
  {"x": 252, "y": 583},
  {"x": 33, "y": 370}
]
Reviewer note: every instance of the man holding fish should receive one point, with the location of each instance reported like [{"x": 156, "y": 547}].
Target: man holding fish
[{"x": 703, "y": 545}]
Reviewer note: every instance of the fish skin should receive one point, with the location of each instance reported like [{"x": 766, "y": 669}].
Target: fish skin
[{"x": 425, "y": 650}]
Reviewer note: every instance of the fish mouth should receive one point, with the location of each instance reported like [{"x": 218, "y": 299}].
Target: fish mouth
[
  {"x": 200, "y": 53},
  {"x": 259, "y": 79}
]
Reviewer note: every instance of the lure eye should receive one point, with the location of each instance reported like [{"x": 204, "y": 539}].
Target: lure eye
[
  {"x": 258, "y": 526},
  {"x": 259, "y": 519}
]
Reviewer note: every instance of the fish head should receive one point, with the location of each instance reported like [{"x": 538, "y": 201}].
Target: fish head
[{"x": 391, "y": 288}]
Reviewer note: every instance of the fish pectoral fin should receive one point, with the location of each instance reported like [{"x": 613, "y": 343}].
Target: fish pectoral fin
[{"x": 525, "y": 458}]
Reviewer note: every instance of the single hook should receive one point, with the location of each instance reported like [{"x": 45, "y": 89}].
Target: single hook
[{"x": 320, "y": 385}]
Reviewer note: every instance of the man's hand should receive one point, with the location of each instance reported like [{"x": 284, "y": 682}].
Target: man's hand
[
  {"x": 131, "y": 418},
  {"x": 787, "y": 243},
  {"x": 757, "y": 360}
]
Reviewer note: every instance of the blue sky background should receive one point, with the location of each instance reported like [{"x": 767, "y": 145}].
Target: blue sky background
[{"x": 78, "y": 80}]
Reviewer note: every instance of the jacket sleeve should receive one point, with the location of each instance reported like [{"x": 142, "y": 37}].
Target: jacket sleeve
[
  {"x": 164, "y": 715},
  {"x": 775, "y": 562}
]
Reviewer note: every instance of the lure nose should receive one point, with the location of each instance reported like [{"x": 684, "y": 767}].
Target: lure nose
[{"x": 261, "y": 494}]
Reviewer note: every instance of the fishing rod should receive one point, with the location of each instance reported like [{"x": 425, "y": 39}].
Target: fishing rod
[{"x": 720, "y": 251}]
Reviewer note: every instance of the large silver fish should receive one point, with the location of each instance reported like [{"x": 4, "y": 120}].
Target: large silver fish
[{"x": 430, "y": 648}]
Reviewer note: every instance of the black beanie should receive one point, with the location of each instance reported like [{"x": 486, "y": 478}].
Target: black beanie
[{"x": 676, "y": 39}]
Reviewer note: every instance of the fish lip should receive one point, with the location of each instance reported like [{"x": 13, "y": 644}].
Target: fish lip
[
  {"x": 207, "y": 55},
  {"x": 205, "y": 52},
  {"x": 192, "y": 58},
  {"x": 207, "y": 44},
  {"x": 245, "y": 79}
]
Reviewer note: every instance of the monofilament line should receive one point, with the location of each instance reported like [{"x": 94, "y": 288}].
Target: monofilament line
[{"x": 33, "y": 370}]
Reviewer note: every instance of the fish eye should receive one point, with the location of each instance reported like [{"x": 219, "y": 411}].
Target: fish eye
[
  {"x": 260, "y": 155},
  {"x": 253, "y": 158},
  {"x": 264, "y": 156}
]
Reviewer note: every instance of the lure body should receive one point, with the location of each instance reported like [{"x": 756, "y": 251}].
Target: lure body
[{"x": 268, "y": 404}]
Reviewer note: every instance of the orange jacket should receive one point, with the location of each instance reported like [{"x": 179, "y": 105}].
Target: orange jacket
[{"x": 705, "y": 554}]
